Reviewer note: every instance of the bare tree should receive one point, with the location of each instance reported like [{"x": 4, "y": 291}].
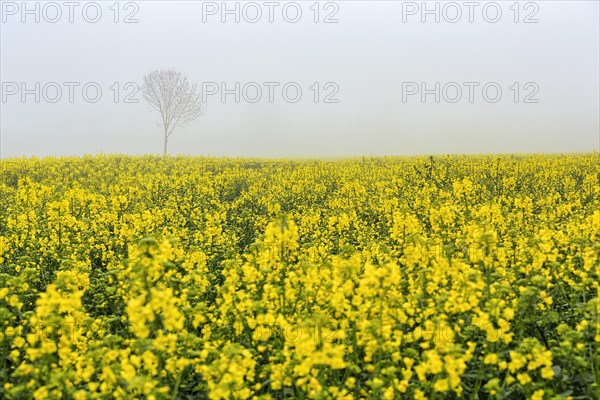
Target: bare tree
[{"x": 169, "y": 92}]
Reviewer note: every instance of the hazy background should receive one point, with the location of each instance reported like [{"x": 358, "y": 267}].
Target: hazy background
[{"x": 368, "y": 54}]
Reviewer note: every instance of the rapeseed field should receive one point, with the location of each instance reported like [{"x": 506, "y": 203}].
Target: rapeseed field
[{"x": 379, "y": 278}]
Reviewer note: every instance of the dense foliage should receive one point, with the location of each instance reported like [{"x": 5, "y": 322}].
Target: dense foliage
[{"x": 175, "y": 277}]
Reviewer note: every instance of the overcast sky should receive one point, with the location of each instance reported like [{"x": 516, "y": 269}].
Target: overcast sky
[{"x": 507, "y": 78}]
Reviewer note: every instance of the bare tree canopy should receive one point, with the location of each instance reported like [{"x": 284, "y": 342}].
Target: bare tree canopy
[{"x": 169, "y": 92}]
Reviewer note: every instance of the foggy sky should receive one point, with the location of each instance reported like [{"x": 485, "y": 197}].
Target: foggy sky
[{"x": 371, "y": 55}]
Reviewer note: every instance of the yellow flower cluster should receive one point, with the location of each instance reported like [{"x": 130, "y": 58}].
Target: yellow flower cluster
[{"x": 417, "y": 278}]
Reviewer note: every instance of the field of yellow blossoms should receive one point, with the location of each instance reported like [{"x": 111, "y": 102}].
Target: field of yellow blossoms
[{"x": 378, "y": 278}]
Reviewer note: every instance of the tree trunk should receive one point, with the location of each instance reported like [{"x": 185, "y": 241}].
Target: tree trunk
[{"x": 165, "y": 144}]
